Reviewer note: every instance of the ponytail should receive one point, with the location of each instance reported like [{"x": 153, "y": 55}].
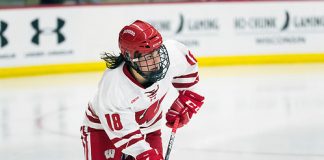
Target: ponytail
[{"x": 112, "y": 61}]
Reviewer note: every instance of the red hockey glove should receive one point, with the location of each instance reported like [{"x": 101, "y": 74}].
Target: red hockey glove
[
  {"x": 184, "y": 107},
  {"x": 152, "y": 154}
]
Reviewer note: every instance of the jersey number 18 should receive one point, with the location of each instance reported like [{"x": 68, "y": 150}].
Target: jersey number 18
[{"x": 113, "y": 121}]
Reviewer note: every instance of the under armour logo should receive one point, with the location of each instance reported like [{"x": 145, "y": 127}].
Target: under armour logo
[
  {"x": 134, "y": 100},
  {"x": 110, "y": 153},
  {"x": 57, "y": 30},
  {"x": 3, "y": 39}
]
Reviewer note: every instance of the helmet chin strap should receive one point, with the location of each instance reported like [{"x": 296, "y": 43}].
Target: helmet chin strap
[
  {"x": 143, "y": 81},
  {"x": 137, "y": 76}
]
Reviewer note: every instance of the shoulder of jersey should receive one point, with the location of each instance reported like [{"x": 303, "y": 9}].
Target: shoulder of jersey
[
  {"x": 170, "y": 42},
  {"x": 175, "y": 46},
  {"x": 111, "y": 82}
]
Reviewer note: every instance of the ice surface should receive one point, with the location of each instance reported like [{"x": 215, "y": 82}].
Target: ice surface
[{"x": 270, "y": 112}]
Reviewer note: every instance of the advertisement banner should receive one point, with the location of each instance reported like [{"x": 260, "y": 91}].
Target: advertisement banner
[{"x": 76, "y": 34}]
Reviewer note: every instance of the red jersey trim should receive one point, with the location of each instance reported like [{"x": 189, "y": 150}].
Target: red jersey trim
[
  {"x": 131, "y": 142},
  {"x": 186, "y": 85},
  {"x": 92, "y": 112},
  {"x": 187, "y": 75},
  {"x": 92, "y": 119},
  {"x": 115, "y": 140},
  {"x": 191, "y": 59}
]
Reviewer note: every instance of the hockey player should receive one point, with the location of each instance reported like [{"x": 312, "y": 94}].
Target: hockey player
[{"x": 123, "y": 121}]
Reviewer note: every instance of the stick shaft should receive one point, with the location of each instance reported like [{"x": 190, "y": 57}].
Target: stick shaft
[{"x": 174, "y": 130}]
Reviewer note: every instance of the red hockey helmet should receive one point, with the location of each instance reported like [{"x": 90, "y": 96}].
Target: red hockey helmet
[
  {"x": 142, "y": 48},
  {"x": 139, "y": 37}
]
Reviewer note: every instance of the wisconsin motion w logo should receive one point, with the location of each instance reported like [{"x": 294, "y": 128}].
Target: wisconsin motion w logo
[
  {"x": 60, "y": 37},
  {"x": 3, "y": 39}
]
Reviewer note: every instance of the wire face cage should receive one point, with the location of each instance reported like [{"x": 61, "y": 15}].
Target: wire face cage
[{"x": 152, "y": 66}]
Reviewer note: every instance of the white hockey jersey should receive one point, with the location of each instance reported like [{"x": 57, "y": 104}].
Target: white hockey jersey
[{"x": 127, "y": 111}]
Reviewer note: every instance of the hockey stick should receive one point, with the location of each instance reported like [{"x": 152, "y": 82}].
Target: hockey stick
[{"x": 174, "y": 130}]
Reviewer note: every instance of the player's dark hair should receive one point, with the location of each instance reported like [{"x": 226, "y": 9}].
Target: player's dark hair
[{"x": 112, "y": 60}]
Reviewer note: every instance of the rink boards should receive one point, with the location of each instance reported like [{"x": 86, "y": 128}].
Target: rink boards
[{"x": 42, "y": 40}]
